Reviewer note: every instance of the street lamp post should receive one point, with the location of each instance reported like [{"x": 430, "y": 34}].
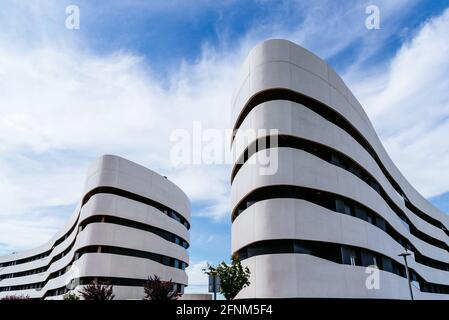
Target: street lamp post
[
  {"x": 405, "y": 255},
  {"x": 214, "y": 284}
]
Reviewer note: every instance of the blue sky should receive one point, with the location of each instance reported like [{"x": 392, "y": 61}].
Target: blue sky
[{"x": 146, "y": 68}]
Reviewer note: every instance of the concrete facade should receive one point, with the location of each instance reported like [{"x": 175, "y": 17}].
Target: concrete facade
[
  {"x": 131, "y": 223},
  {"x": 336, "y": 203}
]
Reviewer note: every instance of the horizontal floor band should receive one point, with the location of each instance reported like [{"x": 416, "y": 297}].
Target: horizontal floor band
[
  {"x": 338, "y": 253},
  {"x": 339, "y": 204}
]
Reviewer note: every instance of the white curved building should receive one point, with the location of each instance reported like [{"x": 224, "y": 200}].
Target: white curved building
[
  {"x": 130, "y": 224},
  {"x": 336, "y": 202}
]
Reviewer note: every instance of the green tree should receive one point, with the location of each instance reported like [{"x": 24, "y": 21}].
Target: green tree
[
  {"x": 233, "y": 277},
  {"x": 71, "y": 296}
]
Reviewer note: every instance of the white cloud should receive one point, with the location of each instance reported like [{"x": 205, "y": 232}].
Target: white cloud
[
  {"x": 28, "y": 184},
  {"x": 209, "y": 185},
  {"x": 61, "y": 107},
  {"x": 33, "y": 231},
  {"x": 198, "y": 280},
  {"x": 409, "y": 105}
]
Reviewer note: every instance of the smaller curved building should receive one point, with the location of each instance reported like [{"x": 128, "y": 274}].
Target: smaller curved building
[{"x": 130, "y": 223}]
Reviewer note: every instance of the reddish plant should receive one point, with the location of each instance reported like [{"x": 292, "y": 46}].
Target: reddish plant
[
  {"x": 97, "y": 291},
  {"x": 156, "y": 289}
]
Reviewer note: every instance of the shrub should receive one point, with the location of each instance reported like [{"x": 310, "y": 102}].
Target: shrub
[
  {"x": 71, "y": 296},
  {"x": 155, "y": 289},
  {"x": 97, "y": 291}
]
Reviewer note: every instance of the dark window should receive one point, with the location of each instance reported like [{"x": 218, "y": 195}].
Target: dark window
[
  {"x": 380, "y": 223},
  {"x": 368, "y": 259},
  {"x": 361, "y": 213},
  {"x": 343, "y": 207},
  {"x": 166, "y": 260},
  {"x": 355, "y": 171},
  {"x": 301, "y": 248},
  {"x": 350, "y": 256}
]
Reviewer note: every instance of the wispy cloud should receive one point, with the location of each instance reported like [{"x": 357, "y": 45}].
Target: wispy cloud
[
  {"x": 62, "y": 106},
  {"x": 409, "y": 105},
  {"x": 32, "y": 230},
  {"x": 198, "y": 280}
]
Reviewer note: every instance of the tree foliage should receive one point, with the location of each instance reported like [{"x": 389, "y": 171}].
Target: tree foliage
[
  {"x": 233, "y": 277},
  {"x": 156, "y": 289},
  {"x": 97, "y": 291},
  {"x": 71, "y": 296}
]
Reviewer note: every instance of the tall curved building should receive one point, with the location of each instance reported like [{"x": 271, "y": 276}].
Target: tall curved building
[
  {"x": 131, "y": 223},
  {"x": 336, "y": 203}
]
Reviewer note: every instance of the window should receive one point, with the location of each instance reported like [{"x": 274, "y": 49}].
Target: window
[
  {"x": 298, "y": 247},
  {"x": 405, "y": 223},
  {"x": 353, "y": 262},
  {"x": 166, "y": 260},
  {"x": 361, "y": 213},
  {"x": 336, "y": 161},
  {"x": 375, "y": 186},
  {"x": 367, "y": 258},
  {"x": 355, "y": 171},
  {"x": 349, "y": 256},
  {"x": 381, "y": 223},
  {"x": 343, "y": 207}
]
